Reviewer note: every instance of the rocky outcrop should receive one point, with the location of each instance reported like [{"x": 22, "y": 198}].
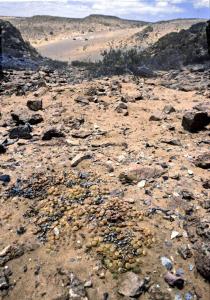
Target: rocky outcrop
[
  {"x": 18, "y": 54},
  {"x": 15, "y": 51},
  {"x": 175, "y": 50}
]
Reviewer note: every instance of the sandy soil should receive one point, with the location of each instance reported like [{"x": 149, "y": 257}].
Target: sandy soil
[{"x": 123, "y": 143}]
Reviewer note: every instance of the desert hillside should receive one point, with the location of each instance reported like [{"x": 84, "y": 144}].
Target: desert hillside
[
  {"x": 40, "y": 29},
  {"x": 104, "y": 173},
  {"x": 84, "y": 39}
]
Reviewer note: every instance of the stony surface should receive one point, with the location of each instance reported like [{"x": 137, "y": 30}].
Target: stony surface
[{"x": 141, "y": 195}]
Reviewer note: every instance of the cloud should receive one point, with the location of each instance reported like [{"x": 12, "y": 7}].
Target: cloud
[
  {"x": 139, "y": 9},
  {"x": 201, "y": 3}
]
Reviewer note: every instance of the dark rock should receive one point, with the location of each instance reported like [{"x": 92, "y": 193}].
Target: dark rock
[
  {"x": 202, "y": 260},
  {"x": 16, "y": 53},
  {"x": 173, "y": 280},
  {"x": 35, "y": 119},
  {"x": 172, "y": 142},
  {"x": 4, "y": 281},
  {"x": 21, "y": 230},
  {"x": 187, "y": 195},
  {"x": 52, "y": 133},
  {"x": 203, "y": 229},
  {"x": 22, "y": 118},
  {"x": 2, "y": 149},
  {"x": 203, "y": 161},
  {"x": 34, "y": 105},
  {"x": 206, "y": 184},
  {"x": 21, "y": 132},
  {"x": 5, "y": 178},
  {"x": 194, "y": 121},
  {"x": 206, "y": 204},
  {"x": 132, "y": 286}
]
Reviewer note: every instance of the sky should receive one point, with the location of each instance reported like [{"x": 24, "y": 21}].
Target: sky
[{"x": 147, "y": 10}]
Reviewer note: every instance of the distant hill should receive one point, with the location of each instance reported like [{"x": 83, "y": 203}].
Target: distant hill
[
  {"x": 154, "y": 31},
  {"x": 44, "y": 28}
]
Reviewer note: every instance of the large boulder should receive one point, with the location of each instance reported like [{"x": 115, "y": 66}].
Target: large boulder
[
  {"x": 202, "y": 260},
  {"x": 16, "y": 53},
  {"x": 21, "y": 132},
  {"x": 194, "y": 121}
]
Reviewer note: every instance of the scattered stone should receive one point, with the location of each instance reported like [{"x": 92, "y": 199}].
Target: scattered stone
[
  {"x": 76, "y": 288},
  {"x": 173, "y": 280},
  {"x": 35, "y": 119},
  {"x": 88, "y": 284},
  {"x": 190, "y": 172},
  {"x": 179, "y": 272},
  {"x": 206, "y": 204},
  {"x": 172, "y": 142},
  {"x": 2, "y": 149},
  {"x": 82, "y": 101},
  {"x": 203, "y": 161},
  {"x": 5, "y": 178},
  {"x": 141, "y": 184},
  {"x": 82, "y": 134},
  {"x": 52, "y": 133},
  {"x": 10, "y": 252},
  {"x": 21, "y": 230},
  {"x": 168, "y": 109},
  {"x": 79, "y": 158},
  {"x": 34, "y": 105},
  {"x": 194, "y": 121},
  {"x": 156, "y": 293},
  {"x": 166, "y": 262},
  {"x": 157, "y": 116},
  {"x": 187, "y": 195},
  {"x": 137, "y": 173},
  {"x": 23, "y": 118},
  {"x": 4, "y": 281},
  {"x": 132, "y": 286},
  {"x": 189, "y": 296},
  {"x": 174, "y": 234},
  {"x": 185, "y": 251},
  {"x": 206, "y": 184},
  {"x": 202, "y": 260},
  {"x": 21, "y": 132}
]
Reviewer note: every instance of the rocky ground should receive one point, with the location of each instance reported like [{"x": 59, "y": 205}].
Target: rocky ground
[{"x": 104, "y": 186}]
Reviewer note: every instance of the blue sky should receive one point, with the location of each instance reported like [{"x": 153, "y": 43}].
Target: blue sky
[{"x": 150, "y": 10}]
